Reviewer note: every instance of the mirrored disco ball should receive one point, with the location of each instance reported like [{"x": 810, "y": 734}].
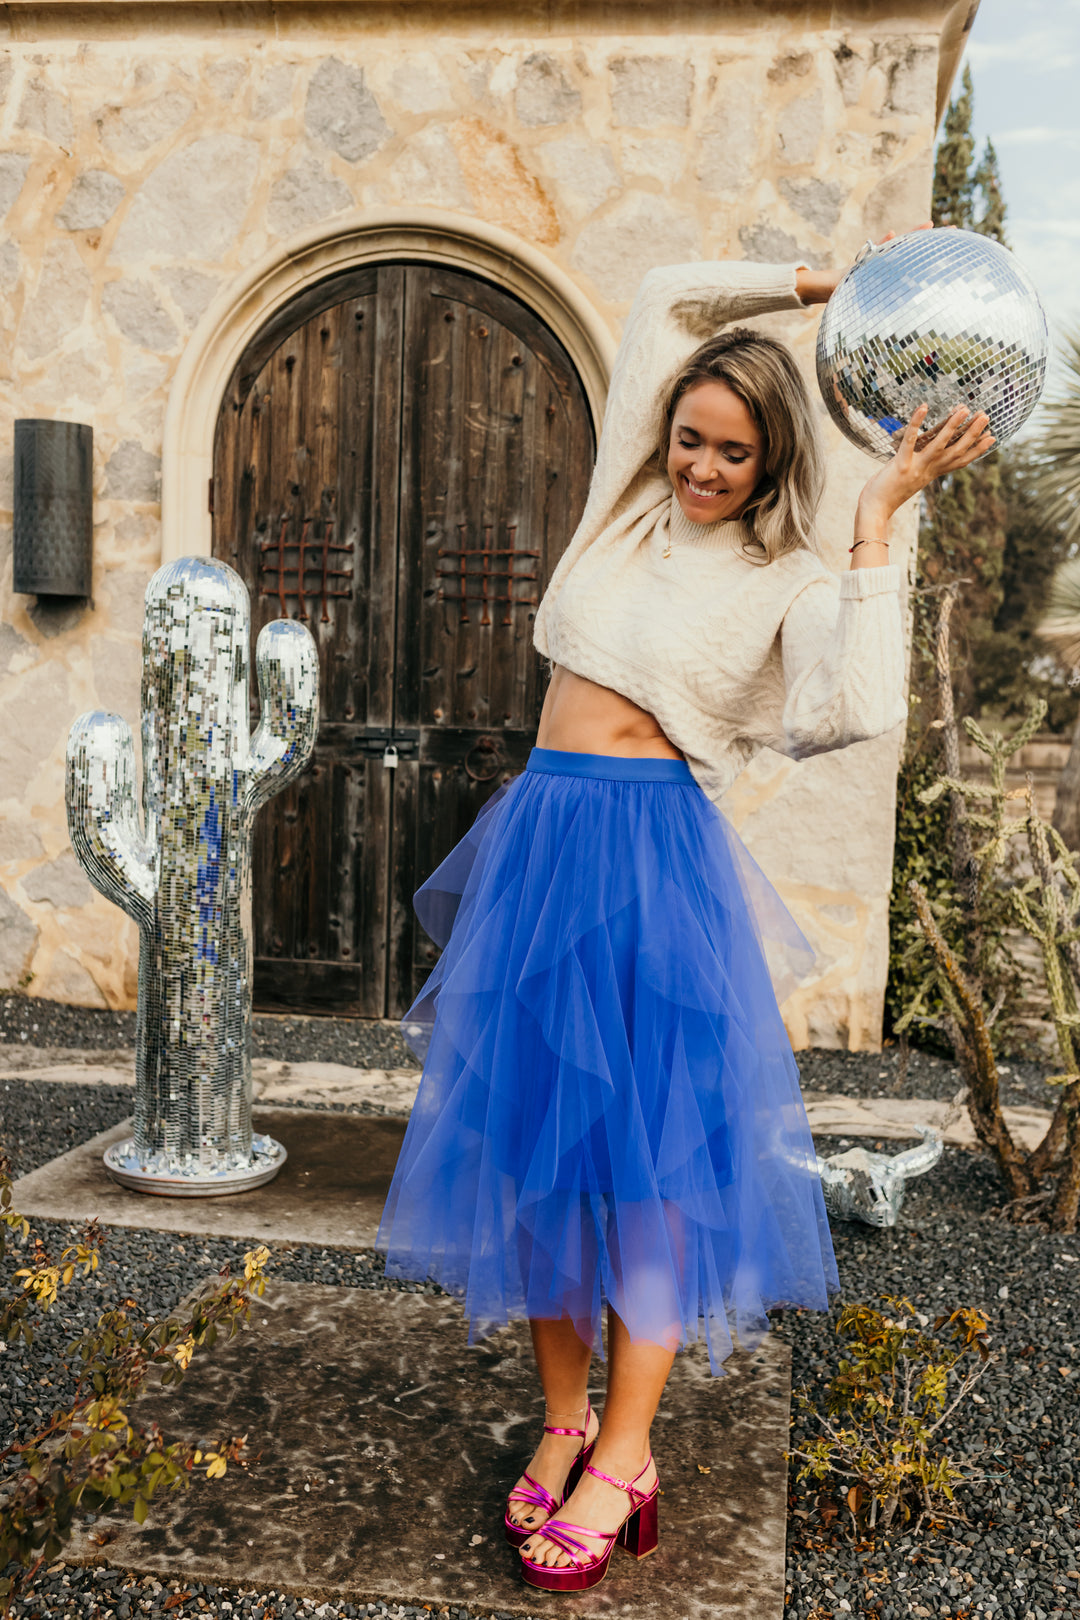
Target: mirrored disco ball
[{"x": 941, "y": 318}]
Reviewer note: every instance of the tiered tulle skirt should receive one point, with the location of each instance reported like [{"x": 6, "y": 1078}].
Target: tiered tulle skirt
[{"x": 610, "y": 1110}]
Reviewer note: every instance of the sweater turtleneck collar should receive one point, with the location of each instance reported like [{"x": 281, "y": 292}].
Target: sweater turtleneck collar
[{"x": 727, "y": 536}]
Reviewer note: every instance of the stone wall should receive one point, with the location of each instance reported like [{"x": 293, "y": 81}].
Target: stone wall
[{"x": 142, "y": 169}]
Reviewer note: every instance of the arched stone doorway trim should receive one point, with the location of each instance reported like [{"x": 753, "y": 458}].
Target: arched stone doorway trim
[{"x": 242, "y": 307}]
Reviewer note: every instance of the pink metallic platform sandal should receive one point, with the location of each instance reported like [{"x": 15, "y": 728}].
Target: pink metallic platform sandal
[
  {"x": 533, "y": 1495},
  {"x": 639, "y": 1534}
]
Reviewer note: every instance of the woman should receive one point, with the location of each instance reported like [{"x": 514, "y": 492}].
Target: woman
[{"x": 610, "y": 1112}]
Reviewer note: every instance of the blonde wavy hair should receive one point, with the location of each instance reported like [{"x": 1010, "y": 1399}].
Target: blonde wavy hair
[{"x": 780, "y": 514}]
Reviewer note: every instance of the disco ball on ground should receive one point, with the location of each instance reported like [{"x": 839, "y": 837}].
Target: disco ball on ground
[{"x": 936, "y": 318}]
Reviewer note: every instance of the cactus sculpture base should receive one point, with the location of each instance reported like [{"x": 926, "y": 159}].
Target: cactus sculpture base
[
  {"x": 161, "y": 1174},
  {"x": 183, "y": 870}
]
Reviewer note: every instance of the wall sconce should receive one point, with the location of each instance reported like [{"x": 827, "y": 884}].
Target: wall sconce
[{"x": 54, "y": 508}]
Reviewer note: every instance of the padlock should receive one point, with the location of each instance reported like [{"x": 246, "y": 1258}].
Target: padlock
[{"x": 390, "y": 757}]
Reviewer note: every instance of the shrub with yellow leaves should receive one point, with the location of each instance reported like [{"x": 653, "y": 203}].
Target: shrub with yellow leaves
[
  {"x": 96, "y": 1455},
  {"x": 881, "y": 1436}
]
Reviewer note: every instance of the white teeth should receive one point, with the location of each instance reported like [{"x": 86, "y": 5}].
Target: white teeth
[{"x": 695, "y": 489}]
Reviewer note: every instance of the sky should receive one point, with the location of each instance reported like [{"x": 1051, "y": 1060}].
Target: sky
[{"x": 1025, "y": 64}]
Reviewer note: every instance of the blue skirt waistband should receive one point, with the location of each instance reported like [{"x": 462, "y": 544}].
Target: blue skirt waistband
[{"x": 609, "y": 767}]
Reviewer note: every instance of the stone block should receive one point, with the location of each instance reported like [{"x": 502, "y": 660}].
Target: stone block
[
  {"x": 387, "y": 1479},
  {"x": 584, "y": 171},
  {"x": 729, "y": 150},
  {"x": 7, "y": 68},
  {"x": 18, "y": 941},
  {"x": 191, "y": 206},
  {"x": 640, "y": 232},
  {"x": 135, "y": 129},
  {"x": 790, "y": 65},
  {"x": 419, "y": 85},
  {"x": 225, "y": 77},
  {"x": 18, "y": 842},
  {"x": 35, "y": 712},
  {"x": 800, "y": 127},
  {"x": 59, "y": 882},
  {"x": 67, "y": 981},
  {"x": 135, "y": 308},
  {"x": 10, "y": 264},
  {"x": 274, "y": 92},
  {"x": 653, "y": 159},
  {"x": 12, "y": 646},
  {"x": 818, "y": 201},
  {"x": 191, "y": 289},
  {"x": 45, "y": 112},
  {"x": 900, "y": 200},
  {"x": 647, "y": 91},
  {"x": 851, "y": 70},
  {"x": 13, "y": 167},
  {"x": 117, "y": 670},
  {"x": 59, "y": 303},
  {"x": 132, "y": 473},
  {"x": 92, "y": 201},
  {"x": 544, "y": 93},
  {"x": 765, "y": 243},
  {"x": 304, "y": 195},
  {"x": 428, "y": 171},
  {"x": 911, "y": 69},
  {"x": 504, "y": 189},
  {"x": 342, "y": 113}
]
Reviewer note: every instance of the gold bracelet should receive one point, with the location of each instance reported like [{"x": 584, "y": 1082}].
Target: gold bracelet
[{"x": 867, "y": 541}]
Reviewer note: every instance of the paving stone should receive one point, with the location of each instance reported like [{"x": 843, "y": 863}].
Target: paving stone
[
  {"x": 387, "y": 1479},
  {"x": 330, "y": 1191}
]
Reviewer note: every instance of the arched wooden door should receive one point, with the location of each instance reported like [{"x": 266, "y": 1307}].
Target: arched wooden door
[{"x": 400, "y": 458}]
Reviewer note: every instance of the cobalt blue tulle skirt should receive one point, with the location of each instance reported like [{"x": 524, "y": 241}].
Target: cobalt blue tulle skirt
[{"x": 610, "y": 1110}]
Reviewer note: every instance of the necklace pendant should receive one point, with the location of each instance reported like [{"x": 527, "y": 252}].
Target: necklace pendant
[{"x": 667, "y": 550}]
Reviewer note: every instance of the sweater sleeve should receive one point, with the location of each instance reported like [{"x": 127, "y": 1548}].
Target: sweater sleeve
[{"x": 843, "y": 653}]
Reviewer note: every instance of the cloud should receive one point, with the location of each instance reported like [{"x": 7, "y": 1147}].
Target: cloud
[
  {"x": 1037, "y": 135},
  {"x": 1047, "y": 50}
]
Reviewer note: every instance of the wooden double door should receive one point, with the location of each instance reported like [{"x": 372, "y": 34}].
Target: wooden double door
[{"x": 400, "y": 458}]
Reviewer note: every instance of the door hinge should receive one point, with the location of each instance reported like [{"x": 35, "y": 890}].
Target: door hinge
[{"x": 375, "y": 742}]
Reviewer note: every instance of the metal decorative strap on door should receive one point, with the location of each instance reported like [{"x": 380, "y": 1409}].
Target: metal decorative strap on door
[
  {"x": 309, "y": 573},
  {"x": 473, "y": 574}
]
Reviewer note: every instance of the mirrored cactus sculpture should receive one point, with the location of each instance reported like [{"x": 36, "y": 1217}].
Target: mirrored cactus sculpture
[{"x": 183, "y": 871}]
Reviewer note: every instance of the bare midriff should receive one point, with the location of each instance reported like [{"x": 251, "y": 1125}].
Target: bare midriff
[{"x": 580, "y": 717}]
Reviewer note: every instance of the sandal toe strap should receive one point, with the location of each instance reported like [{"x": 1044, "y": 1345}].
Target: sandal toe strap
[
  {"x": 533, "y": 1495},
  {"x": 558, "y": 1531}
]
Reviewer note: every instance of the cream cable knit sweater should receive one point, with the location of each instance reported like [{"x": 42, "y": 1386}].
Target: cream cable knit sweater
[{"x": 729, "y": 655}]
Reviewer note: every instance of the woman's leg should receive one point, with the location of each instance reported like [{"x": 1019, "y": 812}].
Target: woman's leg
[
  {"x": 637, "y": 1374},
  {"x": 562, "y": 1360}
]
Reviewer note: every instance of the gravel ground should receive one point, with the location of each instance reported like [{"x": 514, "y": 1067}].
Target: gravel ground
[
  {"x": 1018, "y": 1556},
  {"x": 362, "y": 1043}
]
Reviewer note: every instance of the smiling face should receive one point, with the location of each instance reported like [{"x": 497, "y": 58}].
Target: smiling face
[{"x": 716, "y": 453}]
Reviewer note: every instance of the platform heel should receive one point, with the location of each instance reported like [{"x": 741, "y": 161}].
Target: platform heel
[
  {"x": 638, "y": 1532},
  {"x": 640, "y": 1535}
]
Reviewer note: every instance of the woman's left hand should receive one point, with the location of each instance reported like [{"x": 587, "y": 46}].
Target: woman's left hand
[{"x": 960, "y": 440}]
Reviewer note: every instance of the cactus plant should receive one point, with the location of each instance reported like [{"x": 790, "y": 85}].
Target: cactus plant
[{"x": 184, "y": 875}]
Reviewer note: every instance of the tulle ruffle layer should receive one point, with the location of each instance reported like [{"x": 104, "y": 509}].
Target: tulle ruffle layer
[{"x": 609, "y": 1110}]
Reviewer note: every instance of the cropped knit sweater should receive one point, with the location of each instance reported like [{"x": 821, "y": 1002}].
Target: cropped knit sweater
[{"x": 729, "y": 654}]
